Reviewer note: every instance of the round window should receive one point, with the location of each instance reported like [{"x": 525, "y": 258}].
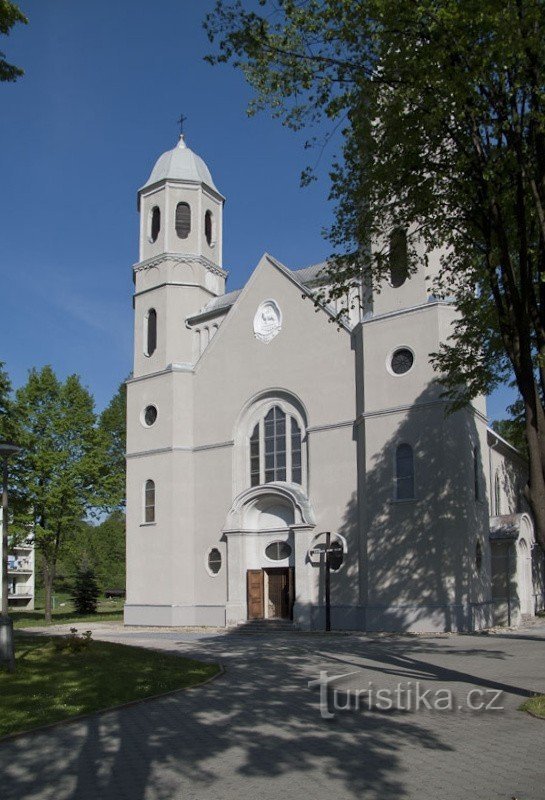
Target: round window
[
  {"x": 150, "y": 415},
  {"x": 402, "y": 361},
  {"x": 214, "y": 561},
  {"x": 277, "y": 551}
]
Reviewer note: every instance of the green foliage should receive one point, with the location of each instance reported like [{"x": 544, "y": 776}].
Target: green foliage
[
  {"x": 10, "y": 14},
  {"x": 112, "y": 427},
  {"x": 59, "y": 469},
  {"x": 73, "y": 642},
  {"x": 512, "y": 429},
  {"x": 441, "y": 108},
  {"x": 85, "y": 592},
  {"x": 102, "y": 547},
  {"x": 6, "y": 419}
]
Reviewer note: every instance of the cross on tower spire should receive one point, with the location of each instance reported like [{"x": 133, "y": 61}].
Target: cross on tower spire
[{"x": 181, "y": 123}]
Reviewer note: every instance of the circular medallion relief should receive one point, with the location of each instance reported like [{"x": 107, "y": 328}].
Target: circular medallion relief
[{"x": 267, "y": 321}]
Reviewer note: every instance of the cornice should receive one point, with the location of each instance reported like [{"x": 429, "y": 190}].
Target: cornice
[{"x": 180, "y": 258}]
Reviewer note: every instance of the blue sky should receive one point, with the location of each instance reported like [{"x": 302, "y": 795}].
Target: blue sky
[{"x": 104, "y": 85}]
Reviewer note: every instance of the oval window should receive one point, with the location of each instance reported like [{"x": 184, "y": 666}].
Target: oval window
[
  {"x": 402, "y": 361},
  {"x": 277, "y": 551},
  {"x": 214, "y": 561},
  {"x": 150, "y": 415}
]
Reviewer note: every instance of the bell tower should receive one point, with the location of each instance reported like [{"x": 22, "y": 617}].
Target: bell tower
[
  {"x": 180, "y": 266},
  {"x": 178, "y": 272}
]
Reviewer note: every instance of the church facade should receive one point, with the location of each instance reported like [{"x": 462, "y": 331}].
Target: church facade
[{"x": 255, "y": 426}]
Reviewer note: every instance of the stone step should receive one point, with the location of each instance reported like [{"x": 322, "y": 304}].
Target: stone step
[{"x": 263, "y": 626}]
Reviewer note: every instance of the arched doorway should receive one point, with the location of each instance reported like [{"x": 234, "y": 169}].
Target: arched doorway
[
  {"x": 524, "y": 569},
  {"x": 267, "y": 533}
]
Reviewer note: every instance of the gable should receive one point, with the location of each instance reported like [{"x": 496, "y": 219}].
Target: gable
[{"x": 309, "y": 356}]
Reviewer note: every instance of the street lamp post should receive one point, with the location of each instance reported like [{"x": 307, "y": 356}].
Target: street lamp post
[{"x": 7, "y": 651}]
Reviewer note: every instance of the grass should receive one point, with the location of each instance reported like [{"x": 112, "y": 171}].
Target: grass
[
  {"x": 48, "y": 686},
  {"x": 108, "y": 611},
  {"x": 535, "y": 705}
]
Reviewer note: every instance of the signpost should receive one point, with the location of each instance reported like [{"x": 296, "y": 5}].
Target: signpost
[{"x": 332, "y": 554}]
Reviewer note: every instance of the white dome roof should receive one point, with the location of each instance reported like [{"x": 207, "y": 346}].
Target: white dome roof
[{"x": 181, "y": 164}]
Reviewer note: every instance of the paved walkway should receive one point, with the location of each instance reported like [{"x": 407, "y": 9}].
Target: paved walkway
[{"x": 257, "y": 731}]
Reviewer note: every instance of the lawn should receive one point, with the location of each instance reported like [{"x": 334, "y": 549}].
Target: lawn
[
  {"x": 108, "y": 611},
  {"x": 48, "y": 686},
  {"x": 535, "y": 705}
]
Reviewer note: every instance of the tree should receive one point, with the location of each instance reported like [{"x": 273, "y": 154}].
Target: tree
[
  {"x": 102, "y": 547},
  {"x": 512, "y": 428},
  {"x": 442, "y": 110},
  {"x": 85, "y": 592},
  {"x": 112, "y": 426},
  {"x": 6, "y": 422},
  {"x": 10, "y": 14},
  {"x": 59, "y": 468}
]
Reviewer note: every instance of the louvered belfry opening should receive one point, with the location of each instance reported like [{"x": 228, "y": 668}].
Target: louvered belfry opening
[
  {"x": 155, "y": 223},
  {"x": 208, "y": 227},
  {"x": 183, "y": 220},
  {"x": 151, "y": 343}
]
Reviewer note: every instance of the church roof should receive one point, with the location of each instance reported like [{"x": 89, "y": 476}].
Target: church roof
[
  {"x": 307, "y": 277},
  {"x": 181, "y": 164},
  {"x": 312, "y": 274}
]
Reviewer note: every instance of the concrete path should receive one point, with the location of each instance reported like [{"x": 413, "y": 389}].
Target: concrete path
[{"x": 257, "y": 732}]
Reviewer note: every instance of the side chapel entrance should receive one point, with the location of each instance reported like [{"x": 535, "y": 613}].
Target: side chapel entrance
[{"x": 270, "y": 593}]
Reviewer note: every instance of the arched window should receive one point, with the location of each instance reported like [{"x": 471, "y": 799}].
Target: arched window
[
  {"x": 276, "y": 449},
  {"x": 497, "y": 494},
  {"x": 255, "y": 477},
  {"x": 296, "y": 472},
  {"x": 398, "y": 257},
  {"x": 478, "y": 556},
  {"x": 209, "y": 228},
  {"x": 149, "y": 501},
  {"x": 476, "y": 481},
  {"x": 275, "y": 445},
  {"x": 150, "y": 333},
  {"x": 183, "y": 220},
  {"x": 404, "y": 477},
  {"x": 155, "y": 223}
]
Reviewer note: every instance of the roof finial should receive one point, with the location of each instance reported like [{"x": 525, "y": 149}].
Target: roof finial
[{"x": 181, "y": 123}]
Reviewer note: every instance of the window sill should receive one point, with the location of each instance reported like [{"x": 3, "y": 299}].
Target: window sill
[
  {"x": 396, "y": 502},
  {"x": 147, "y": 524}
]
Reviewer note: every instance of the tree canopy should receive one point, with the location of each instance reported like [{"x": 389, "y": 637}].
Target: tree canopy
[
  {"x": 10, "y": 14},
  {"x": 441, "y": 105},
  {"x": 57, "y": 473}
]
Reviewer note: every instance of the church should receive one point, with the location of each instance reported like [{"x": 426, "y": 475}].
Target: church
[{"x": 258, "y": 429}]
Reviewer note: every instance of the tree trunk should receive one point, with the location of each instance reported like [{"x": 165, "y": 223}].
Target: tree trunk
[
  {"x": 535, "y": 493},
  {"x": 48, "y": 590}
]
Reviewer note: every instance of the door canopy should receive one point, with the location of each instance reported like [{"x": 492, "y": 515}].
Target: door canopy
[{"x": 270, "y": 506}]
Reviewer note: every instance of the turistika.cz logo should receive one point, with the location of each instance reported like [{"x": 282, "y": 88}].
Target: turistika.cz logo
[{"x": 404, "y": 696}]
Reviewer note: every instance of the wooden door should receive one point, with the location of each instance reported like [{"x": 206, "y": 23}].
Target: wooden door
[
  {"x": 254, "y": 583},
  {"x": 279, "y": 593}
]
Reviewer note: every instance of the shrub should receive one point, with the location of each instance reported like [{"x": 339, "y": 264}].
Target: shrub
[
  {"x": 85, "y": 592},
  {"x": 72, "y": 643}
]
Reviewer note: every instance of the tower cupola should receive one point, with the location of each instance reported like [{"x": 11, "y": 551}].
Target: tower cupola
[{"x": 181, "y": 208}]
